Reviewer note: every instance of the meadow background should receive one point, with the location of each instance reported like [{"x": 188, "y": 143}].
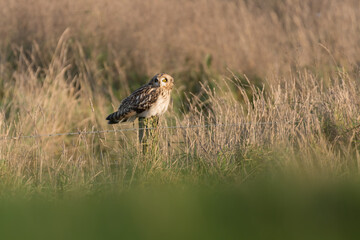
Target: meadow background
[{"x": 274, "y": 83}]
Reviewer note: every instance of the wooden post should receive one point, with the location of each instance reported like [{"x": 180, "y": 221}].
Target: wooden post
[
  {"x": 148, "y": 134},
  {"x": 141, "y": 129}
]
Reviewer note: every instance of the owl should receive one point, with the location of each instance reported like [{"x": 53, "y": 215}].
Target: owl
[{"x": 152, "y": 99}]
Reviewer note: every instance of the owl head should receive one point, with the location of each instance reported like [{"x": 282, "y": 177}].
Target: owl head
[{"x": 162, "y": 80}]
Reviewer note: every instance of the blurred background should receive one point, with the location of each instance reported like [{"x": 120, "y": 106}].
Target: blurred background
[{"x": 127, "y": 39}]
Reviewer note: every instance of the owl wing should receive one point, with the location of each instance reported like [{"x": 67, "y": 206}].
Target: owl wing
[{"x": 140, "y": 100}]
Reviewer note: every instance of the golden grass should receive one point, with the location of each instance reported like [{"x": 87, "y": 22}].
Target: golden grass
[
  {"x": 65, "y": 62},
  {"x": 150, "y": 36}
]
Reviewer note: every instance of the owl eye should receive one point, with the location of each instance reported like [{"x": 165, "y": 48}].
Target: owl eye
[
  {"x": 164, "y": 80},
  {"x": 156, "y": 80}
]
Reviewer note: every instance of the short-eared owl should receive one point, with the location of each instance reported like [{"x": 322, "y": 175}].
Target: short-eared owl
[{"x": 152, "y": 99}]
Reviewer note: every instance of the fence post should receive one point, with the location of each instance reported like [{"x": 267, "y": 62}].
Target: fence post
[
  {"x": 148, "y": 134},
  {"x": 141, "y": 129}
]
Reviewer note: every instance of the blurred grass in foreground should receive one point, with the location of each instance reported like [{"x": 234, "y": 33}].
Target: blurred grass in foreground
[{"x": 261, "y": 210}]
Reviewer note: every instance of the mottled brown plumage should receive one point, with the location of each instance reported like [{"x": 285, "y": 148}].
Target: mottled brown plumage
[{"x": 152, "y": 99}]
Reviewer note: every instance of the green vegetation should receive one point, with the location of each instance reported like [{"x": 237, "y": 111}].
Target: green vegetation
[{"x": 256, "y": 211}]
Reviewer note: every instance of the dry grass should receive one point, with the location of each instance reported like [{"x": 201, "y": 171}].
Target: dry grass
[
  {"x": 248, "y": 36},
  {"x": 65, "y": 62}
]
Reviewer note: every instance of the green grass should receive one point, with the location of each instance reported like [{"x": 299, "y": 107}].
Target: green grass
[{"x": 273, "y": 209}]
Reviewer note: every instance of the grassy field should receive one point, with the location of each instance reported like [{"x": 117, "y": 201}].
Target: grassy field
[
  {"x": 266, "y": 93},
  {"x": 257, "y": 211}
]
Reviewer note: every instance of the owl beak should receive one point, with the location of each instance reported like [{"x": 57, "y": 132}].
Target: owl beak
[{"x": 171, "y": 83}]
